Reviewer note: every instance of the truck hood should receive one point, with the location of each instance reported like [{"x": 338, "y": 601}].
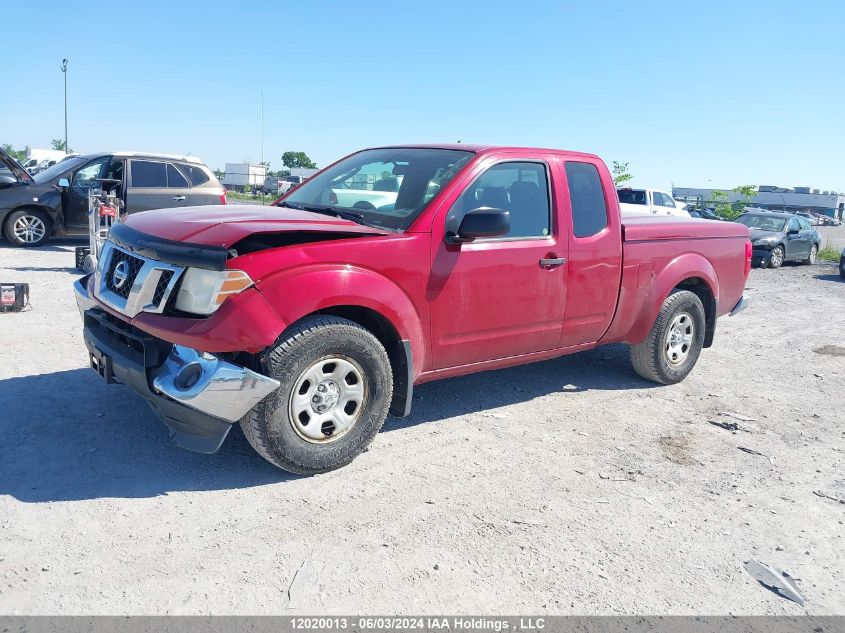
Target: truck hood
[
  {"x": 225, "y": 225},
  {"x": 650, "y": 227}
]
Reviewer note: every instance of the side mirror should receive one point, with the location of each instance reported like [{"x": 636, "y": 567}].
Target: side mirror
[
  {"x": 480, "y": 223},
  {"x": 63, "y": 183}
]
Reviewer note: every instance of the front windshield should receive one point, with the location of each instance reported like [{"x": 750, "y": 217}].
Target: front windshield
[
  {"x": 763, "y": 222},
  {"x": 386, "y": 187},
  {"x": 58, "y": 169}
]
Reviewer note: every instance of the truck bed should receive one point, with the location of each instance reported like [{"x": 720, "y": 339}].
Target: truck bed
[{"x": 648, "y": 228}]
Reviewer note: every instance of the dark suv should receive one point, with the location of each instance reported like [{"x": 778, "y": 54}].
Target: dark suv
[{"x": 55, "y": 201}]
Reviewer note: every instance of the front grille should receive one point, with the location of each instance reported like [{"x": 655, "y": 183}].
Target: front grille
[
  {"x": 161, "y": 287},
  {"x": 134, "y": 264}
]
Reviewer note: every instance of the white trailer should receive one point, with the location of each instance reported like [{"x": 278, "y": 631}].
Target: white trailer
[{"x": 240, "y": 175}]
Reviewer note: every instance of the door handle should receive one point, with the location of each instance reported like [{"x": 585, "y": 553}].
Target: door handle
[
  {"x": 552, "y": 262},
  {"x": 179, "y": 198}
]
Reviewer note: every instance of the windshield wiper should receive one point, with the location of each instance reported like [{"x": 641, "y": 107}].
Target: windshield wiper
[{"x": 326, "y": 210}]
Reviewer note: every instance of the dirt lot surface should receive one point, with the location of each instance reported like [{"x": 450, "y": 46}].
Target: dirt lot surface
[{"x": 504, "y": 492}]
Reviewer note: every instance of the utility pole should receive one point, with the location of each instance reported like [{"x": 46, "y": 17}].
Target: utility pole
[
  {"x": 262, "y": 126},
  {"x": 64, "y": 72}
]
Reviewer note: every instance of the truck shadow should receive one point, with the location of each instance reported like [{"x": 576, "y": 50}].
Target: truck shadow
[
  {"x": 66, "y": 436},
  {"x": 605, "y": 369}
]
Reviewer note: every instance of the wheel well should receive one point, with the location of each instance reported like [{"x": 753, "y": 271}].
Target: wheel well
[
  {"x": 698, "y": 286},
  {"x": 387, "y": 335},
  {"x": 28, "y": 207}
]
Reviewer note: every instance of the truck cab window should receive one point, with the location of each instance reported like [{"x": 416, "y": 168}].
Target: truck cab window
[
  {"x": 586, "y": 194},
  {"x": 520, "y": 188}
]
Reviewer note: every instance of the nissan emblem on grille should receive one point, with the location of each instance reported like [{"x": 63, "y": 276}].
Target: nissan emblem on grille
[
  {"x": 120, "y": 274},
  {"x": 132, "y": 283}
]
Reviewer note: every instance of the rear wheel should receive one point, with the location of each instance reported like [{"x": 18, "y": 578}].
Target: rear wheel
[
  {"x": 673, "y": 344},
  {"x": 776, "y": 258},
  {"x": 811, "y": 258},
  {"x": 27, "y": 227},
  {"x": 336, "y": 387}
]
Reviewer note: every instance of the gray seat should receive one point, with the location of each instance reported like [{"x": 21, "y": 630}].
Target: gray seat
[{"x": 528, "y": 210}]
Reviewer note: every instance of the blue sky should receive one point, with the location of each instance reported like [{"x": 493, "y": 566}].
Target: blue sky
[{"x": 695, "y": 93}]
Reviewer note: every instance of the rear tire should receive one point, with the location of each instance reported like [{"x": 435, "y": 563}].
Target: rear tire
[
  {"x": 811, "y": 258},
  {"x": 336, "y": 388},
  {"x": 27, "y": 227},
  {"x": 673, "y": 344}
]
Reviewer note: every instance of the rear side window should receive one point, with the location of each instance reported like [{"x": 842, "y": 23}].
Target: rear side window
[
  {"x": 149, "y": 174},
  {"x": 175, "y": 180},
  {"x": 195, "y": 174},
  {"x": 589, "y": 211}
]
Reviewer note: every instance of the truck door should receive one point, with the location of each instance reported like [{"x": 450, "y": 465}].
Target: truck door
[
  {"x": 499, "y": 297},
  {"x": 594, "y": 268}
]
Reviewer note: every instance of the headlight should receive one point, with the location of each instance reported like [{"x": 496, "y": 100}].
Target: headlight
[
  {"x": 765, "y": 241},
  {"x": 203, "y": 291}
]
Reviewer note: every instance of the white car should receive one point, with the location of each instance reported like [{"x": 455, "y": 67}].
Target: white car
[{"x": 649, "y": 202}]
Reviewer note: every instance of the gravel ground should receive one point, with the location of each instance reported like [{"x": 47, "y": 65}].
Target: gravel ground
[{"x": 504, "y": 492}]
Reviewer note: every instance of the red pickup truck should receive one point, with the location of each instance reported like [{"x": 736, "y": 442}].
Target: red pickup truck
[{"x": 308, "y": 321}]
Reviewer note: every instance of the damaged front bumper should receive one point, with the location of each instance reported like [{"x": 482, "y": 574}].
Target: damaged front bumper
[{"x": 196, "y": 394}]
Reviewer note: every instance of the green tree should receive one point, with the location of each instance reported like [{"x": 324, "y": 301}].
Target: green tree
[
  {"x": 747, "y": 192},
  {"x": 268, "y": 172},
  {"x": 60, "y": 145},
  {"x": 620, "y": 173},
  {"x": 17, "y": 154},
  {"x": 292, "y": 160},
  {"x": 732, "y": 210},
  {"x": 724, "y": 209}
]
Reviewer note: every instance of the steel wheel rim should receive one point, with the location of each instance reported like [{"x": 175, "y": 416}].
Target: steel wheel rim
[
  {"x": 328, "y": 399},
  {"x": 777, "y": 257},
  {"x": 813, "y": 253},
  {"x": 29, "y": 229},
  {"x": 679, "y": 338}
]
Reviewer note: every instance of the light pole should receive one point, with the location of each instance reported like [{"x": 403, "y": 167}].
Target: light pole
[{"x": 64, "y": 72}]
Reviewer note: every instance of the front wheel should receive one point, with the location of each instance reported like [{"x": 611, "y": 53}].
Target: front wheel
[
  {"x": 27, "y": 227},
  {"x": 673, "y": 344},
  {"x": 776, "y": 257},
  {"x": 811, "y": 258},
  {"x": 336, "y": 387}
]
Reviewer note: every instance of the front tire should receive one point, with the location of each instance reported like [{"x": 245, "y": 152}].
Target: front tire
[
  {"x": 27, "y": 227},
  {"x": 673, "y": 344},
  {"x": 776, "y": 258},
  {"x": 336, "y": 387}
]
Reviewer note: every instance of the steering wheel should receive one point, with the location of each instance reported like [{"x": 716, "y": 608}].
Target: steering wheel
[{"x": 363, "y": 205}]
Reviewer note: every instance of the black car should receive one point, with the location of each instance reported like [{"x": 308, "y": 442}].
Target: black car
[
  {"x": 55, "y": 201},
  {"x": 779, "y": 237}
]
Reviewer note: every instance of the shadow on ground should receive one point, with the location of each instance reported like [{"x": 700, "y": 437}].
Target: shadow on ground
[
  {"x": 56, "y": 245},
  {"x": 68, "y": 436}
]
